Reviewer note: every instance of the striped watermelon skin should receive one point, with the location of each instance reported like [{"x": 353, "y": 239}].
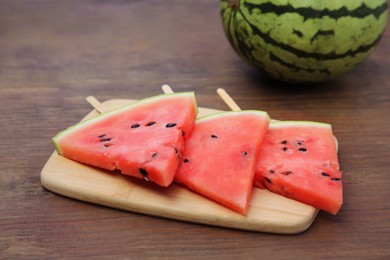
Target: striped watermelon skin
[{"x": 304, "y": 41}]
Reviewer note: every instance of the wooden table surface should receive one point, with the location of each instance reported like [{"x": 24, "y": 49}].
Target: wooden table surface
[{"x": 55, "y": 53}]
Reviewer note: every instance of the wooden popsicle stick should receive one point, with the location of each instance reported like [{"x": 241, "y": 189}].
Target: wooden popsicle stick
[
  {"x": 228, "y": 100},
  {"x": 167, "y": 89},
  {"x": 96, "y": 104}
]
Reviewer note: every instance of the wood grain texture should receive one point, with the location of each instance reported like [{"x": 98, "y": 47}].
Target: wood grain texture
[{"x": 55, "y": 53}]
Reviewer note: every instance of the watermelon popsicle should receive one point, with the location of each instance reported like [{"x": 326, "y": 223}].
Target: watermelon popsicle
[
  {"x": 143, "y": 139},
  {"x": 298, "y": 160},
  {"x": 219, "y": 158}
]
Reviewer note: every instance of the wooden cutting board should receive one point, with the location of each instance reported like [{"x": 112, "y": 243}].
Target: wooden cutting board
[{"x": 268, "y": 212}]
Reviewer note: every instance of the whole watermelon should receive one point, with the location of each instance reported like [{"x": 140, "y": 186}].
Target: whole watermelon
[{"x": 304, "y": 41}]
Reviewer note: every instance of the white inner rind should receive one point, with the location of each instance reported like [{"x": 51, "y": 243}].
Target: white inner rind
[
  {"x": 228, "y": 113},
  {"x": 276, "y": 124}
]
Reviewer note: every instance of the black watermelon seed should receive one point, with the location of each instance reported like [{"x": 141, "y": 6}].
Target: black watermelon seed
[
  {"x": 105, "y": 140},
  {"x": 101, "y": 136},
  {"x": 186, "y": 160},
  {"x": 182, "y": 133},
  {"x": 268, "y": 180},
  {"x": 214, "y": 136},
  {"x": 286, "y": 173},
  {"x": 176, "y": 151},
  {"x": 108, "y": 144},
  {"x": 335, "y": 179},
  {"x": 284, "y": 142},
  {"x": 299, "y": 142},
  {"x": 154, "y": 155},
  {"x": 143, "y": 172},
  {"x": 170, "y": 125},
  {"x": 150, "y": 123},
  {"x": 244, "y": 153},
  {"x": 271, "y": 171},
  {"x": 302, "y": 149},
  {"x": 135, "y": 126},
  {"x": 284, "y": 149},
  {"x": 325, "y": 174}
]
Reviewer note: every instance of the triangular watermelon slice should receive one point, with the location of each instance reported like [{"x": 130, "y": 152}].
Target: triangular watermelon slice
[
  {"x": 144, "y": 139},
  {"x": 219, "y": 158},
  {"x": 299, "y": 160}
]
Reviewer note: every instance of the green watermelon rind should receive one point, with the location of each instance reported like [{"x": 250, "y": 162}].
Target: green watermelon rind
[{"x": 100, "y": 117}]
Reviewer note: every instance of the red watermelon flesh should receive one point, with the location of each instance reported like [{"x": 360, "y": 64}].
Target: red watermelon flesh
[
  {"x": 219, "y": 159},
  {"x": 299, "y": 160},
  {"x": 144, "y": 139}
]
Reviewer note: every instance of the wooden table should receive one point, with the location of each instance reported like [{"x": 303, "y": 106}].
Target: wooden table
[{"x": 55, "y": 53}]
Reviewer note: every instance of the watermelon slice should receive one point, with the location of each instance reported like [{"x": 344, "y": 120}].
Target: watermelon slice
[
  {"x": 299, "y": 160},
  {"x": 219, "y": 158},
  {"x": 144, "y": 139}
]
